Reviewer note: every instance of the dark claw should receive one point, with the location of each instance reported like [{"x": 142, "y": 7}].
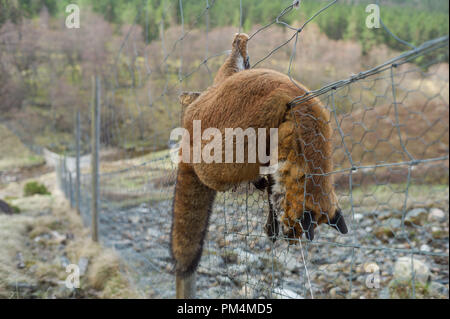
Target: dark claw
[
  {"x": 261, "y": 183},
  {"x": 338, "y": 222},
  {"x": 307, "y": 223}
]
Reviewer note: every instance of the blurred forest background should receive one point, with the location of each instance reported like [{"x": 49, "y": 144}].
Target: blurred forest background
[{"x": 46, "y": 69}]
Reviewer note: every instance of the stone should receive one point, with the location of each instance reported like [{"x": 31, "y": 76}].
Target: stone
[
  {"x": 20, "y": 263},
  {"x": 5, "y": 208},
  {"x": 416, "y": 216},
  {"x": 224, "y": 280},
  {"x": 236, "y": 270},
  {"x": 284, "y": 293},
  {"x": 135, "y": 219},
  {"x": 292, "y": 265},
  {"x": 336, "y": 293},
  {"x": 64, "y": 261},
  {"x": 58, "y": 238},
  {"x": 425, "y": 247},
  {"x": 438, "y": 290},
  {"x": 439, "y": 233},
  {"x": 384, "y": 293},
  {"x": 436, "y": 215},
  {"x": 83, "y": 264},
  {"x": 393, "y": 223},
  {"x": 388, "y": 228},
  {"x": 385, "y": 215},
  {"x": 229, "y": 257},
  {"x": 403, "y": 270}
]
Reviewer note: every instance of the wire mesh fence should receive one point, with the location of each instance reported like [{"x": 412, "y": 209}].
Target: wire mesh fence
[{"x": 390, "y": 153}]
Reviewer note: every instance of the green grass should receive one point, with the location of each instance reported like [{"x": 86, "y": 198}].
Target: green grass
[{"x": 33, "y": 188}]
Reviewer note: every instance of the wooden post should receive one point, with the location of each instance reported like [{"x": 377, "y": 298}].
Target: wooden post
[
  {"x": 95, "y": 141},
  {"x": 185, "y": 287}
]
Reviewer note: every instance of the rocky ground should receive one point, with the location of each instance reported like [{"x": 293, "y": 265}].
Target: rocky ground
[{"x": 372, "y": 261}]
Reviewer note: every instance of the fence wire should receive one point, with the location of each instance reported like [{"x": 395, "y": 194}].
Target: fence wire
[{"x": 390, "y": 153}]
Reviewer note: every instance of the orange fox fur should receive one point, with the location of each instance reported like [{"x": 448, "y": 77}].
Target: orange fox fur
[
  {"x": 186, "y": 98},
  {"x": 237, "y": 61},
  {"x": 256, "y": 98}
]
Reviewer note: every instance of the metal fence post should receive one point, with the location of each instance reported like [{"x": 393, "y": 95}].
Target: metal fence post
[
  {"x": 65, "y": 176},
  {"x": 95, "y": 141},
  {"x": 77, "y": 172},
  {"x": 185, "y": 287},
  {"x": 70, "y": 189}
]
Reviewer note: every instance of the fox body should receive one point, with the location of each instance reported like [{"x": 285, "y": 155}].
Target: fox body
[{"x": 301, "y": 186}]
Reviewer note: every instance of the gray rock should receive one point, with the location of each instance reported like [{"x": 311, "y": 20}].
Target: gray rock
[
  {"x": 388, "y": 228},
  {"x": 384, "y": 215},
  {"x": 384, "y": 293},
  {"x": 293, "y": 266},
  {"x": 20, "y": 263},
  {"x": 135, "y": 219},
  {"x": 224, "y": 280},
  {"x": 284, "y": 293},
  {"x": 336, "y": 293},
  {"x": 437, "y": 289},
  {"x": 425, "y": 247},
  {"x": 436, "y": 215},
  {"x": 64, "y": 261},
  {"x": 237, "y": 269},
  {"x": 58, "y": 238},
  {"x": 5, "y": 208},
  {"x": 403, "y": 270},
  {"x": 439, "y": 233},
  {"x": 83, "y": 264},
  {"x": 416, "y": 216}
]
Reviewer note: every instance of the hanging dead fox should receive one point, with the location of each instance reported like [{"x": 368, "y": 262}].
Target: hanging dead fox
[{"x": 301, "y": 187}]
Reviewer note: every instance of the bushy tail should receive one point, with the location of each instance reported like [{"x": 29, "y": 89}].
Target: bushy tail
[{"x": 191, "y": 209}]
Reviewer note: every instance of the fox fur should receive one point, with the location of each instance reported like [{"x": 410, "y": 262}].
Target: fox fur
[
  {"x": 262, "y": 183},
  {"x": 302, "y": 189},
  {"x": 237, "y": 61},
  {"x": 186, "y": 98}
]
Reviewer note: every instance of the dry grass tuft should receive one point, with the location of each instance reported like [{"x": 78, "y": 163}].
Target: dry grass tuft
[{"x": 44, "y": 233}]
